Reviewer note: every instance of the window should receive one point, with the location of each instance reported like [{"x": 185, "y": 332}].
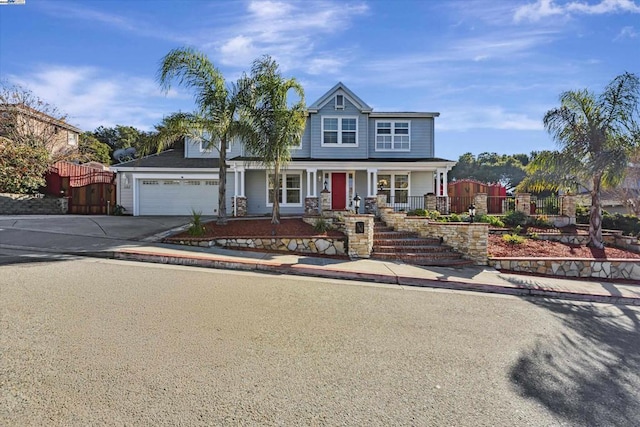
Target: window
[
  {"x": 290, "y": 189},
  {"x": 340, "y": 131},
  {"x": 150, "y": 182},
  {"x": 72, "y": 138},
  {"x": 211, "y": 182},
  {"x": 395, "y": 187},
  {"x": 171, "y": 182},
  {"x": 192, "y": 182},
  {"x": 339, "y": 102},
  {"x": 207, "y": 145},
  {"x": 393, "y": 136}
]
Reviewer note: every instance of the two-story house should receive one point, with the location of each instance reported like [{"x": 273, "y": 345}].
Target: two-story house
[
  {"x": 23, "y": 124},
  {"x": 346, "y": 148}
]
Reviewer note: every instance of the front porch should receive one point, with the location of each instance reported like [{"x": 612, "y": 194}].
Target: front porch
[{"x": 404, "y": 184}]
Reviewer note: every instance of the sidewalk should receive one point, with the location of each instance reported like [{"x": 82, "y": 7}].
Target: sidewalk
[
  {"x": 477, "y": 278},
  {"x": 135, "y": 238}
]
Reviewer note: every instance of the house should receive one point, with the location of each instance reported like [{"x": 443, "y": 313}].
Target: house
[
  {"x": 346, "y": 148},
  {"x": 21, "y": 123}
]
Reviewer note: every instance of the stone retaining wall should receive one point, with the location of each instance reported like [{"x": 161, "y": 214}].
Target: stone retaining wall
[
  {"x": 470, "y": 239},
  {"x": 311, "y": 245},
  {"x": 24, "y": 204},
  {"x": 584, "y": 268}
]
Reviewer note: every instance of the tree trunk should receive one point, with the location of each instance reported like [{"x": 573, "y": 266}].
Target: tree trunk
[
  {"x": 275, "y": 212},
  {"x": 222, "y": 184},
  {"x": 595, "y": 217}
]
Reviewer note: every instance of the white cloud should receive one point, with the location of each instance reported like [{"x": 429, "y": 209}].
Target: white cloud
[
  {"x": 627, "y": 33},
  {"x": 486, "y": 117},
  {"x": 91, "y": 98},
  {"x": 547, "y": 8},
  {"x": 288, "y": 31}
]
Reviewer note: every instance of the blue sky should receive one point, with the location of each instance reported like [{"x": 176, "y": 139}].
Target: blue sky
[{"x": 491, "y": 68}]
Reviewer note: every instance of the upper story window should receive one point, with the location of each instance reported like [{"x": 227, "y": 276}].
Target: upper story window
[
  {"x": 393, "y": 136},
  {"x": 339, "y": 102},
  {"x": 340, "y": 131},
  {"x": 206, "y": 145},
  {"x": 72, "y": 138}
]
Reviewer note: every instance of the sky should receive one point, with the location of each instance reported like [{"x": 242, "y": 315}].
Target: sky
[{"x": 491, "y": 68}]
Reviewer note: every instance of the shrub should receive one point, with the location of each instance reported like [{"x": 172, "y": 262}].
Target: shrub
[
  {"x": 541, "y": 221},
  {"x": 514, "y": 218},
  {"x": 434, "y": 215},
  {"x": 119, "y": 209},
  {"x": 582, "y": 214},
  {"x": 22, "y": 167},
  {"x": 628, "y": 224},
  {"x": 513, "y": 239},
  {"x": 196, "y": 228},
  {"x": 320, "y": 225},
  {"x": 454, "y": 217},
  {"x": 417, "y": 212}
]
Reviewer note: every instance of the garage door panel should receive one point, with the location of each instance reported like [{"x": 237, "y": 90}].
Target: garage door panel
[{"x": 177, "y": 196}]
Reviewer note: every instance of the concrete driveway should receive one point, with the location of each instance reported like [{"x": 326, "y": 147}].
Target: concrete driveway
[{"x": 138, "y": 228}]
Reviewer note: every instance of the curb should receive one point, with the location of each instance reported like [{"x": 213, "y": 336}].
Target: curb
[{"x": 316, "y": 271}]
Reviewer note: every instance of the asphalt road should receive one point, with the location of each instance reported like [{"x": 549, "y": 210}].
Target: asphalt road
[{"x": 100, "y": 342}]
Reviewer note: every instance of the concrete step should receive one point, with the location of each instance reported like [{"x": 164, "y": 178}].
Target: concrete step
[
  {"x": 408, "y": 241},
  {"x": 393, "y": 235},
  {"x": 451, "y": 260},
  {"x": 394, "y": 249}
]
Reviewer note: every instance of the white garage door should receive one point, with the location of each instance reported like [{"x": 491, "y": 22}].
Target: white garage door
[{"x": 177, "y": 196}]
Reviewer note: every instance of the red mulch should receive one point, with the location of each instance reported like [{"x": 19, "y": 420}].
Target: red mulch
[
  {"x": 295, "y": 227},
  {"x": 547, "y": 249},
  {"x": 288, "y": 227}
]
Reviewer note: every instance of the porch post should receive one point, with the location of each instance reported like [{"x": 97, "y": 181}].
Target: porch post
[
  {"x": 437, "y": 174},
  {"x": 445, "y": 184},
  {"x": 241, "y": 183}
]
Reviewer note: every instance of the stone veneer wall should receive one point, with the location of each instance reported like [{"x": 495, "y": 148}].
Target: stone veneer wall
[
  {"x": 470, "y": 239},
  {"x": 585, "y": 268},
  {"x": 24, "y": 204},
  {"x": 360, "y": 244},
  {"x": 310, "y": 245},
  {"x": 241, "y": 209}
]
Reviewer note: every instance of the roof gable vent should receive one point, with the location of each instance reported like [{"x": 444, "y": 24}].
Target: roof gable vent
[{"x": 339, "y": 102}]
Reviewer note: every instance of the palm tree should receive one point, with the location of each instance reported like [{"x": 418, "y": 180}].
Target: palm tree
[
  {"x": 277, "y": 126},
  {"x": 597, "y": 134},
  {"x": 217, "y": 119}
]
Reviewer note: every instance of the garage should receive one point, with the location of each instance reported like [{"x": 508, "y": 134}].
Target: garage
[{"x": 177, "y": 196}]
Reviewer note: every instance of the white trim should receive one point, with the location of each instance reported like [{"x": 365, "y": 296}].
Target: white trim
[
  {"x": 405, "y": 115},
  {"x": 284, "y": 185},
  {"x": 339, "y": 131},
  {"x": 392, "y": 134}
]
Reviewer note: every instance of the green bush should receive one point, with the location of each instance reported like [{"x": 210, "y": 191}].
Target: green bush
[
  {"x": 417, "y": 212},
  {"x": 454, "y": 217},
  {"x": 196, "y": 228},
  {"x": 434, "y": 215},
  {"x": 514, "y": 218},
  {"x": 628, "y": 224},
  {"x": 582, "y": 214},
  {"x": 513, "y": 239},
  {"x": 320, "y": 225},
  {"x": 22, "y": 167},
  {"x": 541, "y": 221}
]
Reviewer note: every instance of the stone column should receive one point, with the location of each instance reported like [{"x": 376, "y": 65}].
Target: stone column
[
  {"x": 311, "y": 206},
  {"x": 325, "y": 200},
  {"x": 523, "y": 203},
  {"x": 430, "y": 202},
  {"x": 568, "y": 206},
  {"x": 382, "y": 201},
  {"x": 359, "y": 232},
  {"x": 239, "y": 205},
  {"x": 480, "y": 201},
  {"x": 371, "y": 205}
]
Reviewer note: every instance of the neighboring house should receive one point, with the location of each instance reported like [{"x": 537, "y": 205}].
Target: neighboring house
[
  {"x": 23, "y": 123},
  {"x": 346, "y": 147}
]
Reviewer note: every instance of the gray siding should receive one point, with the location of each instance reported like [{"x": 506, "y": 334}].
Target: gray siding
[
  {"x": 422, "y": 142},
  {"x": 305, "y": 150},
  {"x": 340, "y": 152},
  {"x": 192, "y": 150},
  {"x": 256, "y": 192}
]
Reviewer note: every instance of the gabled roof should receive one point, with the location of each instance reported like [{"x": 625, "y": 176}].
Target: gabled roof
[
  {"x": 355, "y": 100},
  {"x": 170, "y": 159},
  {"x": 38, "y": 115}
]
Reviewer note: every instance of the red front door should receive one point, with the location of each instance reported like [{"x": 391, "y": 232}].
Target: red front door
[{"x": 338, "y": 191}]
